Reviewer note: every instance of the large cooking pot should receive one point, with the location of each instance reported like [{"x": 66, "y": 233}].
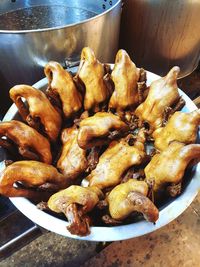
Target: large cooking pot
[
  {"x": 159, "y": 34},
  {"x": 36, "y": 31}
]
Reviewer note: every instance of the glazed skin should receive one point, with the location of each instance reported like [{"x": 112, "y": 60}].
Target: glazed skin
[
  {"x": 39, "y": 111},
  {"x": 131, "y": 196},
  {"x": 95, "y": 130},
  {"x": 125, "y": 76},
  {"x": 61, "y": 86},
  {"x": 75, "y": 202},
  {"x": 117, "y": 158},
  {"x": 30, "y": 173},
  {"x": 30, "y": 143},
  {"x": 72, "y": 161},
  {"x": 91, "y": 73},
  {"x": 181, "y": 127},
  {"x": 163, "y": 93},
  {"x": 169, "y": 166}
]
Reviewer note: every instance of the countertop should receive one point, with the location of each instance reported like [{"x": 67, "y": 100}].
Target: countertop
[{"x": 177, "y": 244}]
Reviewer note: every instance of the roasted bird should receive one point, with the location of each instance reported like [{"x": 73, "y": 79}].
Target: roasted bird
[
  {"x": 181, "y": 127},
  {"x": 75, "y": 202},
  {"x": 168, "y": 167},
  {"x": 91, "y": 73},
  {"x": 163, "y": 95},
  {"x": 100, "y": 129},
  {"x": 129, "y": 197},
  {"x": 126, "y": 77},
  {"x": 117, "y": 158},
  {"x": 39, "y": 114},
  {"x": 72, "y": 161},
  {"x": 29, "y": 176},
  {"x": 30, "y": 144},
  {"x": 62, "y": 88}
]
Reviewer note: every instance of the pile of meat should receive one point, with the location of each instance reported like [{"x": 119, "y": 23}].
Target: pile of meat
[{"x": 82, "y": 150}]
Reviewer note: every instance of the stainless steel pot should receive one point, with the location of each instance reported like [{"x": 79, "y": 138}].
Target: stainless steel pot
[
  {"x": 159, "y": 34},
  {"x": 36, "y": 31}
]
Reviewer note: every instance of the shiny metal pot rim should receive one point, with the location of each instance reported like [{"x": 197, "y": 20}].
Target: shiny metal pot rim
[{"x": 62, "y": 27}]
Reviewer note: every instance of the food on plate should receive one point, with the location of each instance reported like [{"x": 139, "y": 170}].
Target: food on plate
[
  {"x": 100, "y": 129},
  {"x": 129, "y": 197},
  {"x": 62, "y": 89},
  {"x": 121, "y": 143},
  {"x": 39, "y": 114},
  {"x": 128, "y": 81},
  {"x": 29, "y": 143},
  {"x": 163, "y": 96},
  {"x": 91, "y": 73},
  {"x": 29, "y": 176},
  {"x": 117, "y": 158},
  {"x": 168, "y": 167},
  {"x": 73, "y": 161},
  {"x": 75, "y": 202},
  {"x": 182, "y": 127}
]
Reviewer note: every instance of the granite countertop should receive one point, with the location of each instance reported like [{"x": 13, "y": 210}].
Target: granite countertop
[{"x": 177, "y": 244}]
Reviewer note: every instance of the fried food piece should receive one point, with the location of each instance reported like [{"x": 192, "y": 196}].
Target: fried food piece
[
  {"x": 169, "y": 166},
  {"x": 91, "y": 73},
  {"x": 39, "y": 114},
  {"x": 129, "y": 197},
  {"x": 117, "y": 158},
  {"x": 75, "y": 202},
  {"x": 61, "y": 86},
  {"x": 30, "y": 174},
  {"x": 163, "y": 93},
  {"x": 181, "y": 127},
  {"x": 100, "y": 129},
  {"x": 30, "y": 143},
  {"x": 72, "y": 161},
  {"x": 125, "y": 76}
]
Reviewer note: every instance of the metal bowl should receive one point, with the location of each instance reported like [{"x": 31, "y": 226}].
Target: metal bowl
[{"x": 168, "y": 212}]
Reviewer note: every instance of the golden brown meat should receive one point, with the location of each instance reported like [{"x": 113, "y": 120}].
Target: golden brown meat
[
  {"x": 163, "y": 93},
  {"x": 62, "y": 87},
  {"x": 75, "y": 202},
  {"x": 100, "y": 129},
  {"x": 30, "y": 143},
  {"x": 39, "y": 114},
  {"x": 31, "y": 174},
  {"x": 169, "y": 166},
  {"x": 91, "y": 73},
  {"x": 129, "y": 197},
  {"x": 181, "y": 127},
  {"x": 72, "y": 161},
  {"x": 117, "y": 158},
  {"x": 125, "y": 76}
]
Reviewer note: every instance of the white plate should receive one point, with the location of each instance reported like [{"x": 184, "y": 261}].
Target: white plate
[{"x": 168, "y": 213}]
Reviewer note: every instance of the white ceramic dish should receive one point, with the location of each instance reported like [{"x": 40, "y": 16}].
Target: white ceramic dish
[{"x": 168, "y": 213}]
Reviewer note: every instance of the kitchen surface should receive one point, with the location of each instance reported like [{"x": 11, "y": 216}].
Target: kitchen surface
[
  {"x": 176, "y": 244},
  {"x": 157, "y": 36}
]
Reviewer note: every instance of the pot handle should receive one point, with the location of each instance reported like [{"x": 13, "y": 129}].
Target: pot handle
[{"x": 71, "y": 63}]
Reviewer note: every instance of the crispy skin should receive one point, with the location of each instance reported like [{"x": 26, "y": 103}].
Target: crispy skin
[
  {"x": 131, "y": 196},
  {"x": 181, "y": 127},
  {"x": 72, "y": 161},
  {"x": 117, "y": 158},
  {"x": 40, "y": 111},
  {"x": 91, "y": 73},
  {"x": 62, "y": 86},
  {"x": 95, "y": 130},
  {"x": 28, "y": 140},
  {"x": 169, "y": 166},
  {"x": 163, "y": 93},
  {"x": 125, "y": 76},
  {"x": 75, "y": 202},
  {"x": 29, "y": 173}
]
